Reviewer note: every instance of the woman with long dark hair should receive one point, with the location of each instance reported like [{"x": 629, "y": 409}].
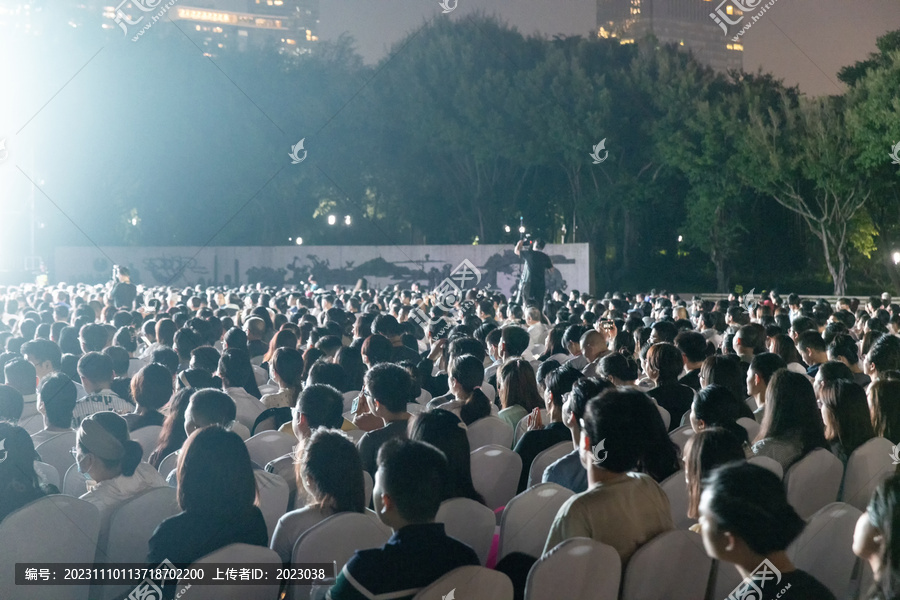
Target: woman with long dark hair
[
  {"x": 19, "y": 482},
  {"x": 465, "y": 378},
  {"x": 706, "y": 450},
  {"x": 518, "y": 391},
  {"x": 884, "y": 408},
  {"x": 443, "y": 430},
  {"x": 285, "y": 369},
  {"x": 239, "y": 383},
  {"x": 172, "y": 435},
  {"x": 846, "y": 417}
]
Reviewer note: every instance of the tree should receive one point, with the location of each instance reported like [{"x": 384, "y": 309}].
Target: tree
[{"x": 799, "y": 152}]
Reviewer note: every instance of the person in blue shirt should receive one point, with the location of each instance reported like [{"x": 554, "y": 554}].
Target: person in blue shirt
[{"x": 409, "y": 487}]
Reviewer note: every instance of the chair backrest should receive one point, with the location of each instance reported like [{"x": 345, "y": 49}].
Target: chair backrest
[
  {"x": 768, "y": 463},
  {"x": 238, "y": 554},
  {"x": 274, "y": 494},
  {"x": 334, "y": 540},
  {"x": 751, "y": 426},
  {"x": 47, "y": 473},
  {"x": 666, "y": 417},
  {"x": 576, "y": 569},
  {"x": 470, "y": 522},
  {"x": 270, "y": 419},
  {"x": 489, "y": 430},
  {"x": 369, "y": 485},
  {"x": 147, "y": 437},
  {"x": 57, "y": 451},
  {"x": 266, "y": 446},
  {"x": 545, "y": 458},
  {"x": 130, "y": 528},
  {"x": 413, "y": 408},
  {"x": 676, "y": 490},
  {"x": 32, "y": 424},
  {"x": 522, "y": 426},
  {"x": 168, "y": 464},
  {"x": 495, "y": 474},
  {"x": 681, "y": 435},
  {"x": 679, "y": 565},
  {"x": 824, "y": 550},
  {"x": 355, "y": 435},
  {"x": 53, "y": 529},
  {"x": 469, "y": 582},
  {"x": 869, "y": 465},
  {"x": 74, "y": 483},
  {"x": 525, "y": 523},
  {"x": 813, "y": 481}
]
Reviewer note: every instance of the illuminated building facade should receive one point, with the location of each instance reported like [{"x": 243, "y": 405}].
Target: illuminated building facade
[
  {"x": 220, "y": 26},
  {"x": 683, "y": 22}
]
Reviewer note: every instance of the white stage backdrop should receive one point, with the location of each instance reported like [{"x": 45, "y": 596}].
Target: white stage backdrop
[{"x": 329, "y": 265}]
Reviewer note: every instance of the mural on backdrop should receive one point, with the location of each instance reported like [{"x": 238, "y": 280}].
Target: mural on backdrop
[{"x": 328, "y": 265}]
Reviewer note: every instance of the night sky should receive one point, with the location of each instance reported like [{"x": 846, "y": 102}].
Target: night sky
[{"x": 804, "y": 42}]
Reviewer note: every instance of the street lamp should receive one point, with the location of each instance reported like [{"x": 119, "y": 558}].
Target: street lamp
[
  {"x": 896, "y": 257},
  {"x": 521, "y": 229},
  {"x": 332, "y": 219},
  {"x": 507, "y": 228},
  {"x": 347, "y": 220},
  {"x": 299, "y": 241}
]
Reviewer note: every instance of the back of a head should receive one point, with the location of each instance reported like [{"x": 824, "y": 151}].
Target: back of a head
[
  {"x": 331, "y": 462},
  {"x": 212, "y": 407},
  {"x": 206, "y": 358},
  {"x": 515, "y": 339},
  {"x": 468, "y": 371},
  {"x": 766, "y": 364},
  {"x": 884, "y": 354},
  {"x": 414, "y": 474},
  {"x": 58, "y": 395},
  {"x": 706, "y": 450},
  {"x": 614, "y": 419},
  {"x": 11, "y": 404},
  {"x": 288, "y": 364},
  {"x": 96, "y": 367},
  {"x": 236, "y": 371},
  {"x": 17, "y": 467},
  {"x": 235, "y": 338},
  {"x": 386, "y": 325},
  {"x": 167, "y": 358},
  {"x": 151, "y": 387},
  {"x": 93, "y": 337},
  {"x": 692, "y": 345},
  {"x": 21, "y": 375},
  {"x": 322, "y": 405},
  {"x": 834, "y": 370},
  {"x": 327, "y": 373},
  {"x": 752, "y": 336},
  {"x": 377, "y": 349},
  {"x": 113, "y": 444},
  {"x": 443, "y": 430},
  {"x": 126, "y": 338},
  {"x": 791, "y": 410},
  {"x": 716, "y": 406},
  {"x": 215, "y": 475},
  {"x": 467, "y": 345},
  {"x": 560, "y": 382},
  {"x": 665, "y": 359},
  {"x": 750, "y": 502},
  {"x": 572, "y": 335},
  {"x": 41, "y": 350},
  {"x": 120, "y": 359},
  {"x": 390, "y": 385},
  {"x": 665, "y": 331},
  {"x": 811, "y": 341}
]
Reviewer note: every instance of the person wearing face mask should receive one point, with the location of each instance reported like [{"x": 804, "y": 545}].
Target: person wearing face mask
[
  {"x": 111, "y": 462},
  {"x": 409, "y": 488}
]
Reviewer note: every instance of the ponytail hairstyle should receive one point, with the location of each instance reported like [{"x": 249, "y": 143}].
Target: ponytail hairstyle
[{"x": 468, "y": 372}]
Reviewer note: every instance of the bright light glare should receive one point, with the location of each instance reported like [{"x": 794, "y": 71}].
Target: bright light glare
[
  {"x": 896, "y": 258},
  {"x": 134, "y": 221},
  {"x": 507, "y": 228},
  {"x": 299, "y": 241},
  {"x": 332, "y": 219},
  {"x": 680, "y": 238},
  {"x": 522, "y": 229},
  {"x": 347, "y": 220}
]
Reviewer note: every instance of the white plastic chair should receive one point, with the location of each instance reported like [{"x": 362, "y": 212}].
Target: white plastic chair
[
  {"x": 266, "y": 446},
  {"x": 355, "y": 435},
  {"x": 868, "y": 466},
  {"x": 666, "y": 417},
  {"x": 241, "y": 555},
  {"x": 470, "y": 522},
  {"x": 414, "y": 409},
  {"x": 495, "y": 474},
  {"x": 32, "y": 424},
  {"x": 681, "y": 436},
  {"x": 53, "y": 529},
  {"x": 824, "y": 550},
  {"x": 369, "y": 485},
  {"x": 489, "y": 430},
  {"x": 147, "y": 437},
  {"x": 130, "y": 528},
  {"x": 74, "y": 483},
  {"x": 576, "y": 569},
  {"x": 522, "y": 426},
  {"x": 679, "y": 567},
  {"x": 813, "y": 482},
  {"x": 424, "y": 398},
  {"x": 751, "y": 426},
  {"x": 675, "y": 488},
  {"x": 545, "y": 458},
  {"x": 469, "y": 582},
  {"x": 335, "y": 540},
  {"x": 168, "y": 464},
  {"x": 273, "y": 493},
  {"x": 768, "y": 463},
  {"x": 47, "y": 473},
  {"x": 57, "y": 451},
  {"x": 526, "y": 520}
]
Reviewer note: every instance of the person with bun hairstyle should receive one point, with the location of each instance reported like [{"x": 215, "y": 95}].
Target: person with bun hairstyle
[
  {"x": 745, "y": 519},
  {"x": 111, "y": 462}
]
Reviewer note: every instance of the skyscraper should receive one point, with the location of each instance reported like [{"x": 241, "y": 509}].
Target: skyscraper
[{"x": 683, "y": 22}]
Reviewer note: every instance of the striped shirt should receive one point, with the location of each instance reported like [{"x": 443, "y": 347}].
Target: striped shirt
[{"x": 105, "y": 399}]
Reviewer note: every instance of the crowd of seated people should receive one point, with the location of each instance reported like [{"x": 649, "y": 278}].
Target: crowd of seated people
[{"x": 378, "y": 403}]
